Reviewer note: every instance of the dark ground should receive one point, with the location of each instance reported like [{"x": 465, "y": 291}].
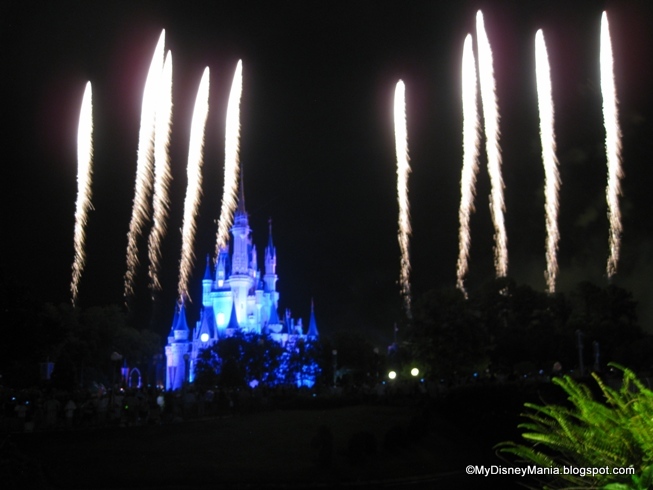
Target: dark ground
[{"x": 418, "y": 445}]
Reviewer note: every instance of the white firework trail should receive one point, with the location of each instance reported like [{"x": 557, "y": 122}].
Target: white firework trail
[
  {"x": 143, "y": 187},
  {"x": 549, "y": 160},
  {"x": 612, "y": 145},
  {"x": 84, "y": 174},
  {"x": 491, "y": 119},
  {"x": 403, "y": 169},
  {"x": 471, "y": 142},
  {"x": 231, "y": 160},
  {"x": 194, "y": 186},
  {"x": 162, "y": 177}
]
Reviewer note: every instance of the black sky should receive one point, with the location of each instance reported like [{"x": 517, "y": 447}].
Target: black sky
[{"x": 317, "y": 142}]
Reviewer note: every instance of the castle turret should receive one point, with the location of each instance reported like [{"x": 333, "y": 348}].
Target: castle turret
[
  {"x": 178, "y": 350},
  {"x": 206, "y": 283},
  {"x": 270, "y": 277},
  {"x": 221, "y": 272},
  {"x": 312, "y": 324},
  {"x": 241, "y": 281}
]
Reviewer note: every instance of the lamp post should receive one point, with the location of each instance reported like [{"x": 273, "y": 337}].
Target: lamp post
[{"x": 334, "y": 352}]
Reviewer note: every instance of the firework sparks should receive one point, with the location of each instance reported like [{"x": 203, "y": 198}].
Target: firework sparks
[
  {"x": 84, "y": 173},
  {"x": 491, "y": 119},
  {"x": 612, "y": 145},
  {"x": 549, "y": 160},
  {"x": 470, "y": 158},
  {"x": 143, "y": 188},
  {"x": 160, "y": 201},
  {"x": 194, "y": 186},
  {"x": 231, "y": 160},
  {"x": 403, "y": 169}
]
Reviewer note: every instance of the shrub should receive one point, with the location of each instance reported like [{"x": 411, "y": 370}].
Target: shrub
[{"x": 615, "y": 432}]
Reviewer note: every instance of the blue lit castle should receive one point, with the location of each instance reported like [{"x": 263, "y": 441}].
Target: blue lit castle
[{"x": 235, "y": 297}]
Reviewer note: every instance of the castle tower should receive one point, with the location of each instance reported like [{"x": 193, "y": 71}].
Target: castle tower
[
  {"x": 178, "y": 350},
  {"x": 312, "y": 324},
  {"x": 206, "y": 284},
  {"x": 270, "y": 277},
  {"x": 241, "y": 280}
]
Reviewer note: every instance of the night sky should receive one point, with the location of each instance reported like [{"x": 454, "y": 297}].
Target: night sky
[{"x": 317, "y": 144}]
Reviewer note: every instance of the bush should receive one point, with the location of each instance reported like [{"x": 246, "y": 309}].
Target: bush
[{"x": 616, "y": 432}]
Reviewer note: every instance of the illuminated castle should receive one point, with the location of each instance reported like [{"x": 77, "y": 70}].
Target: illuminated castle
[{"x": 235, "y": 297}]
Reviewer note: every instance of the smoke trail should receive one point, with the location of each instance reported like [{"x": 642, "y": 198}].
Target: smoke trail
[
  {"x": 161, "y": 201},
  {"x": 403, "y": 169},
  {"x": 84, "y": 173},
  {"x": 612, "y": 145},
  {"x": 471, "y": 143},
  {"x": 549, "y": 160},
  {"x": 194, "y": 186},
  {"x": 231, "y": 160},
  {"x": 143, "y": 187},
  {"x": 491, "y": 119}
]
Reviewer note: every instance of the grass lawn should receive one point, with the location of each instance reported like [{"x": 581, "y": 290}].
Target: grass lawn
[
  {"x": 268, "y": 447},
  {"x": 273, "y": 449}
]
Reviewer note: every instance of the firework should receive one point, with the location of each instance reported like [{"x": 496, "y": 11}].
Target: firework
[
  {"x": 403, "y": 169},
  {"x": 160, "y": 201},
  {"x": 612, "y": 145},
  {"x": 491, "y": 120},
  {"x": 549, "y": 160},
  {"x": 84, "y": 173},
  {"x": 231, "y": 160},
  {"x": 143, "y": 187},
  {"x": 194, "y": 186},
  {"x": 471, "y": 143}
]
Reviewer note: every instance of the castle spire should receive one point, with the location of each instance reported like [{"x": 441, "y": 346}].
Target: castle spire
[
  {"x": 270, "y": 277},
  {"x": 207, "y": 270},
  {"x": 241, "y": 195},
  {"x": 312, "y": 324},
  {"x": 270, "y": 244}
]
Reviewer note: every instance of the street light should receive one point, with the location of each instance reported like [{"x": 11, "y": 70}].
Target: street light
[
  {"x": 392, "y": 375},
  {"x": 414, "y": 371}
]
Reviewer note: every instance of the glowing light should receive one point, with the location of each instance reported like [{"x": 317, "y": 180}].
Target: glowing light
[
  {"x": 414, "y": 372},
  {"x": 549, "y": 160},
  {"x": 471, "y": 142},
  {"x": 403, "y": 169},
  {"x": 204, "y": 337},
  {"x": 194, "y": 186},
  {"x": 84, "y": 173},
  {"x": 161, "y": 201},
  {"x": 392, "y": 375},
  {"x": 231, "y": 160},
  {"x": 612, "y": 145},
  {"x": 491, "y": 120},
  {"x": 143, "y": 187}
]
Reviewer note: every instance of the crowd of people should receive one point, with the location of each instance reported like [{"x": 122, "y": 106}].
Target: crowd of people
[
  {"x": 50, "y": 409},
  {"x": 30, "y": 410}
]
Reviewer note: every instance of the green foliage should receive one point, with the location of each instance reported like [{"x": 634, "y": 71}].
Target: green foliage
[
  {"x": 590, "y": 433},
  {"x": 447, "y": 336},
  {"x": 238, "y": 360},
  {"x": 514, "y": 329}
]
